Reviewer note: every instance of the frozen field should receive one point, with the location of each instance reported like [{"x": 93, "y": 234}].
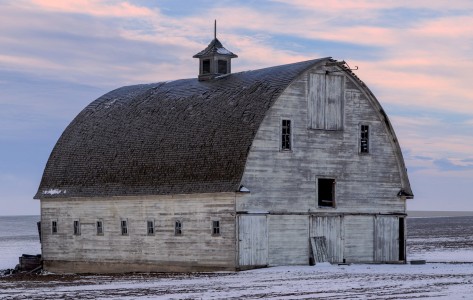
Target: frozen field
[{"x": 444, "y": 242}]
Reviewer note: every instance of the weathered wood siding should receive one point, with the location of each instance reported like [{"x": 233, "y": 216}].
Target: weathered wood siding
[
  {"x": 359, "y": 238},
  {"x": 331, "y": 228},
  {"x": 288, "y": 240},
  {"x": 253, "y": 241},
  {"x": 285, "y": 181},
  {"x": 386, "y": 238},
  {"x": 196, "y": 249}
]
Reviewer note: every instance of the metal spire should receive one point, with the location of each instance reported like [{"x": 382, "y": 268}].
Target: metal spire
[{"x": 215, "y": 29}]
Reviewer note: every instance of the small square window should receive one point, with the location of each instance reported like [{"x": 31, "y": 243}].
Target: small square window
[
  {"x": 222, "y": 66},
  {"x": 54, "y": 227},
  {"x": 76, "y": 227},
  {"x": 215, "y": 227},
  {"x": 99, "y": 225},
  {"x": 206, "y": 66},
  {"x": 178, "y": 228},
  {"x": 326, "y": 192},
  {"x": 150, "y": 227},
  {"x": 124, "y": 227}
]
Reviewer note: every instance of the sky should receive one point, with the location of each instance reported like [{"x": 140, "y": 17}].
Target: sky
[{"x": 416, "y": 56}]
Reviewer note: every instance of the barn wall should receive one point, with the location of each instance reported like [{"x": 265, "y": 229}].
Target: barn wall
[
  {"x": 196, "y": 250},
  {"x": 285, "y": 181}
]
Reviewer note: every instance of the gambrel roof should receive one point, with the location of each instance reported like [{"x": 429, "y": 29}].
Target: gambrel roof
[{"x": 183, "y": 136}]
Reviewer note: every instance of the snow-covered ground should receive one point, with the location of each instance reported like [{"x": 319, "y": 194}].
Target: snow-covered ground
[{"x": 434, "y": 280}]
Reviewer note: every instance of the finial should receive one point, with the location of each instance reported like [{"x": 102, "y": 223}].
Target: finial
[{"x": 215, "y": 29}]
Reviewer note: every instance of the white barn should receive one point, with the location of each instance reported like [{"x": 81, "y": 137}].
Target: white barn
[{"x": 287, "y": 165}]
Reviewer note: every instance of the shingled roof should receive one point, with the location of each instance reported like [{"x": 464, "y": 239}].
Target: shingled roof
[{"x": 179, "y": 137}]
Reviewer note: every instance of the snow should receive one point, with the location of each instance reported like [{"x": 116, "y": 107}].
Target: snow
[
  {"x": 54, "y": 192},
  {"x": 223, "y": 51}
]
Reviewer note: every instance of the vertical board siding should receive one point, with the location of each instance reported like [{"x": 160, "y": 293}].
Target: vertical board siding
[
  {"x": 359, "y": 238},
  {"x": 316, "y": 101},
  {"x": 331, "y": 229},
  {"x": 288, "y": 240},
  {"x": 334, "y": 93},
  {"x": 386, "y": 238},
  {"x": 195, "y": 247},
  {"x": 253, "y": 240}
]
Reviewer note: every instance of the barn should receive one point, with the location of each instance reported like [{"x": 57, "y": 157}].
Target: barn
[{"x": 287, "y": 165}]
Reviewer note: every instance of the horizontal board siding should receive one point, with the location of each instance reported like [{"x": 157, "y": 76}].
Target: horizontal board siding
[
  {"x": 358, "y": 238},
  {"x": 288, "y": 240},
  {"x": 196, "y": 246}
]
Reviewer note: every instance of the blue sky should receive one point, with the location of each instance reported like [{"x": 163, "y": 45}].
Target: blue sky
[{"x": 58, "y": 56}]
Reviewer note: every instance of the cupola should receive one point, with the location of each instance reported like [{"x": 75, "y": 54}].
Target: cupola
[{"x": 214, "y": 60}]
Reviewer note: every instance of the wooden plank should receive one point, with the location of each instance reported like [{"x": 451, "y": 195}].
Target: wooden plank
[
  {"x": 319, "y": 249},
  {"x": 253, "y": 241}
]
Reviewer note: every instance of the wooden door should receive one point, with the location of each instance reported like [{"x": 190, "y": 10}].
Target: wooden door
[
  {"x": 253, "y": 241},
  {"x": 386, "y": 238}
]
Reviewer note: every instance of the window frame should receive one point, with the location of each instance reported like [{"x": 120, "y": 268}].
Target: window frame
[
  {"x": 76, "y": 227},
  {"x": 153, "y": 230},
  {"x": 361, "y": 138},
  {"x": 54, "y": 227},
  {"x": 206, "y": 63},
  {"x": 99, "y": 229},
  {"x": 124, "y": 227},
  {"x": 284, "y": 137},
  {"x": 216, "y": 228},
  {"x": 177, "y": 227},
  {"x": 333, "y": 199}
]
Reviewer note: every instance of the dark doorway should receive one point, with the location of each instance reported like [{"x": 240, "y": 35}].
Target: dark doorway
[{"x": 402, "y": 240}]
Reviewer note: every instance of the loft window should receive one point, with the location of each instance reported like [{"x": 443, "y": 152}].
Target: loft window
[
  {"x": 215, "y": 227},
  {"x": 206, "y": 66},
  {"x": 326, "y": 192},
  {"x": 177, "y": 228},
  {"x": 364, "y": 139},
  {"x": 325, "y": 102},
  {"x": 150, "y": 226},
  {"x": 286, "y": 135},
  {"x": 76, "y": 227},
  {"x": 222, "y": 66},
  {"x": 99, "y": 227},
  {"x": 54, "y": 227},
  {"x": 124, "y": 227}
]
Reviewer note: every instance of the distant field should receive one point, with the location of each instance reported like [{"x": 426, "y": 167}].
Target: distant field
[{"x": 427, "y": 213}]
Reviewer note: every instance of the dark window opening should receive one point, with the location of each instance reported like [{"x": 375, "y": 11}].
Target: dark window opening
[
  {"x": 150, "y": 226},
  {"x": 76, "y": 228},
  {"x": 124, "y": 227},
  {"x": 178, "y": 228},
  {"x": 215, "y": 227},
  {"x": 222, "y": 67},
  {"x": 326, "y": 192},
  {"x": 286, "y": 135},
  {"x": 206, "y": 66},
  {"x": 99, "y": 224},
  {"x": 54, "y": 227},
  {"x": 364, "y": 139},
  {"x": 402, "y": 244}
]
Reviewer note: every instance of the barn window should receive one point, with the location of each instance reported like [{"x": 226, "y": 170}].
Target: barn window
[
  {"x": 326, "y": 192},
  {"x": 124, "y": 227},
  {"x": 206, "y": 66},
  {"x": 99, "y": 227},
  {"x": 325, "y": 102},
  {"x": 54, "y": 227},
  {"x": 222, "y": 66},
  {"x": 215, "y": 227},
  {"x": 177, "y": 228},
  {"x": 286, "y": 144},
  {"x": 150, "y": 226},
  {"x": 364, "y": 139},
  {"x": 76, "y": 227}
]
